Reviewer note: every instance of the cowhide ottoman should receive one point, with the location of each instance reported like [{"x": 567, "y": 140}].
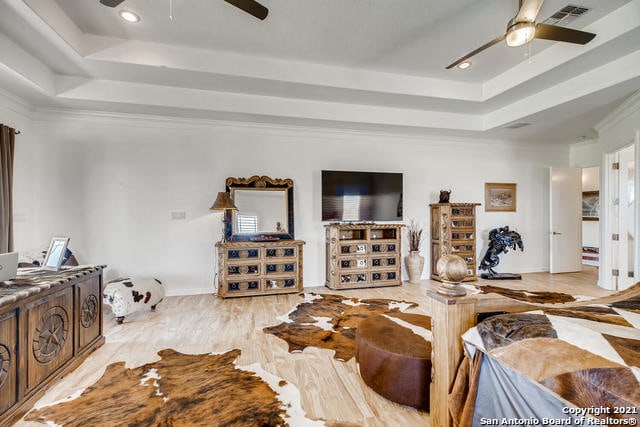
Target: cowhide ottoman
[
  {"x": 132, "y": 294},
  {"x": 393, "y": 352}
]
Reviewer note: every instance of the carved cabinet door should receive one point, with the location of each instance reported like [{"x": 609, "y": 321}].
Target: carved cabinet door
[
  {"x": 89, "y": 318},
  {"x": 8, "y": 360},
  {"x": 49, "y": 335}
]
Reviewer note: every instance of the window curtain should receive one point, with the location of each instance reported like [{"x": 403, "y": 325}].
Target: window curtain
[{"x": 7, "y": 145}]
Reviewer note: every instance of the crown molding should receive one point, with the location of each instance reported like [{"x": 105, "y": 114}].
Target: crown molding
[
  {"x": 16, "y": 104},
  {"x": 621, "y": 112},
  {"x": 585, "y": 144},
  {"x": 317, "y": 133}
]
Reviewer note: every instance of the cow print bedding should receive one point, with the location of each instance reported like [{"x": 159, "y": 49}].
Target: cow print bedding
[{"x": 588, "y": 356}]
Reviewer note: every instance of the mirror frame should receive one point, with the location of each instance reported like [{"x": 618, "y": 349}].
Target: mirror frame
[{"x": 260, "y": 183}]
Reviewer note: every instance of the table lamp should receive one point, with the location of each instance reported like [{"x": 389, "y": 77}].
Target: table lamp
[{"x": 223, "y": 203}]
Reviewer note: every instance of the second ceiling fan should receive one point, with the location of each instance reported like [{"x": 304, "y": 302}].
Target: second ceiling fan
[
  {"x": 252, "y": 7},
  {"x": 522, "y": 28}
]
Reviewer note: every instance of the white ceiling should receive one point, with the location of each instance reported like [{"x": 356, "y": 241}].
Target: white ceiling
[{"x": 360, "y": 64}]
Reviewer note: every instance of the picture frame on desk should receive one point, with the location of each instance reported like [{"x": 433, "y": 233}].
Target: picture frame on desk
[{"x": 55, "y": 253}]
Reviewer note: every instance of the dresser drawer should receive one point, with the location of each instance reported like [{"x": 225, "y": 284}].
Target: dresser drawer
[
  {"x": 241, "y": 286},
  {"x": 242, "y": 254},
  {"x": 353, "y": 263},
  {"x": 384, "y": 248},
  {"x": 280, "y": 267},
  {"x": 281, "y": 252},
  {"x": 244, "y": 269},
  {"x": 382, "y": 261},
  {"x": 280, "y": 283},
  {"x": 354, "y": 248}
]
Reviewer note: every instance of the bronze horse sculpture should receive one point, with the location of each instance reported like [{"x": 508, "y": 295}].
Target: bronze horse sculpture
[{"x": 500, "y": 240}]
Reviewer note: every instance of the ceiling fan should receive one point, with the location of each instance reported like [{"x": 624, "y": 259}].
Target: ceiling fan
[
  {"x": 522, "y": 28},
  {"x": 252, "y": 7}
]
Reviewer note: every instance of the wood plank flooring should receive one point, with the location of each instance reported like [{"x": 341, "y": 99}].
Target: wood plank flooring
[{"x": 330, "y": 389}]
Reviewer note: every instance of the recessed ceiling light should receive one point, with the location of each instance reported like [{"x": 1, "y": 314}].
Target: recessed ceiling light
[
  {"x": 129, "y": 16},
  {"x": 464, "y": 65}
]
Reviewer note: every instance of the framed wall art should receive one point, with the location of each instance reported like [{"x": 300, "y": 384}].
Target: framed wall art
[
  {"x": 590, "y": 205},
  {"x": 499, "y": 197}
]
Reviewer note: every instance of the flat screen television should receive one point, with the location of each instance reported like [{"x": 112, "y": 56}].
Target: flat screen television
[{"x": 361, "y": 196}]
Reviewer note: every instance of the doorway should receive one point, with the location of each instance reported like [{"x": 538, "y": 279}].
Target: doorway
[
  {"x": 621, "y": 229},
  {"x": 591, "y": 217}
]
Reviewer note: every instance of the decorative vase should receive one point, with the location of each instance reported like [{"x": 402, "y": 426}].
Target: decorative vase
[{"x": 414, "y": 263}]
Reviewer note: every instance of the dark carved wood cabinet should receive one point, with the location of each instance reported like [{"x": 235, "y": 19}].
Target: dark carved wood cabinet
[{"x": 48, "y": 323}]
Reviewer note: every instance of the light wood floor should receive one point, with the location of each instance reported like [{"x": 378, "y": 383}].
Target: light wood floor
[{"x": 330, "y": 389}]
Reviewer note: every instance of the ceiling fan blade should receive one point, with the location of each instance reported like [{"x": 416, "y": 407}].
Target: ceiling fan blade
[
  {"x": 528, "y": 10},
  {"x": 111, "y": 3},
  {"x": 252, "y": 7},
  {"x": 478, "y": 50},
  {"x": 562, "y": 34}
]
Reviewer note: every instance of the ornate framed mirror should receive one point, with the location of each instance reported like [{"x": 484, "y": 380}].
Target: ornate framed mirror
[{"x": 265, "y": 209}]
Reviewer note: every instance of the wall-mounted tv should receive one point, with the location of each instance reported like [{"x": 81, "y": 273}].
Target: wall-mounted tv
[{"x": 361, "y": 196}]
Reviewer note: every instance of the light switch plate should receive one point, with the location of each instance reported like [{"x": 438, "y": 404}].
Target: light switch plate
[{"x": 178, "y": 215}]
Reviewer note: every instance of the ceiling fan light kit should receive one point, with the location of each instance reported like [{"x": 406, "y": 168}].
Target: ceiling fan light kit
[{"x": 520, "y": 33}]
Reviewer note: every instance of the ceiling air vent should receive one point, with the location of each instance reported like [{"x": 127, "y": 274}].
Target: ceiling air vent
[
  {"x": 566, "y": 15},
  {"x": 516, "y": 125}
]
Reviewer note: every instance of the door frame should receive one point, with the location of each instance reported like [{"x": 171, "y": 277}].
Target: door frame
[{"x": 605, "y": 278}]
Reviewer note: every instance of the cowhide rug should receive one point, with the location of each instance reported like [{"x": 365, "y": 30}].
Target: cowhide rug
[
  {"x": 546, "y": 297},
  {"x": 330, "y": 321},
  {"x": 538, "y": 297},
  {"x": 181, "y": 390}
]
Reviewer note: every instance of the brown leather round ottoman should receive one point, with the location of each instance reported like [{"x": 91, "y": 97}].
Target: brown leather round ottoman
[{"x": 395, "y": 361}]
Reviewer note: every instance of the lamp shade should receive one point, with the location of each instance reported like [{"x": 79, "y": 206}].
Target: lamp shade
[{"x": 223, "y": 202}]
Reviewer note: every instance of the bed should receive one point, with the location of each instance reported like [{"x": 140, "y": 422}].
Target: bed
[{"x": 554, "y": 365}]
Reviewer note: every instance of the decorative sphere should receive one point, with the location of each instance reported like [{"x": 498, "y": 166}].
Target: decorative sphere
[{"x": 451, "y": 268}]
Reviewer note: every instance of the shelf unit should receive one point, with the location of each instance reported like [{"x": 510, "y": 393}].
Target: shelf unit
[
  {"x": 251, "y": 268},
  {"x": 453, "y": 231},
  {"x": 363, "y": 255}
]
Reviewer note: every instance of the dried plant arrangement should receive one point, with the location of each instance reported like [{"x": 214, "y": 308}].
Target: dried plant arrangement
[{"x": 415, "y": 236}]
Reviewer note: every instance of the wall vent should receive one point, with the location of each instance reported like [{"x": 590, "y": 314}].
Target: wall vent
[
  {"x": 516, "y": 125},
  {"x": 566, "y": 15}
]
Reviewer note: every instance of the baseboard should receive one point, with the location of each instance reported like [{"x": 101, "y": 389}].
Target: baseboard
[
  {"x": 188, "y": 291},
  {"x": 532, "y": 270}
]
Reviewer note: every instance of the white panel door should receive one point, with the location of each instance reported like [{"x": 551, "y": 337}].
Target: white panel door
[
  {"x": 626, "y": 209},
  {"x": 565, "y": 219}
]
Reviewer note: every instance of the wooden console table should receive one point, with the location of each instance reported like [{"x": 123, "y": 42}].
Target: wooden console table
[{"x": 49, "y": 322}]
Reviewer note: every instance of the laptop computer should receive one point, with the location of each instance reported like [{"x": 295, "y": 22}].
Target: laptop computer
[{"x": 8, "y": 266}]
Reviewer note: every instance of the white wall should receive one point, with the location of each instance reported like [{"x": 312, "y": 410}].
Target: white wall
[
  {"x": 110, "y": 183},
  {"x": 586, "y": 153}
]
